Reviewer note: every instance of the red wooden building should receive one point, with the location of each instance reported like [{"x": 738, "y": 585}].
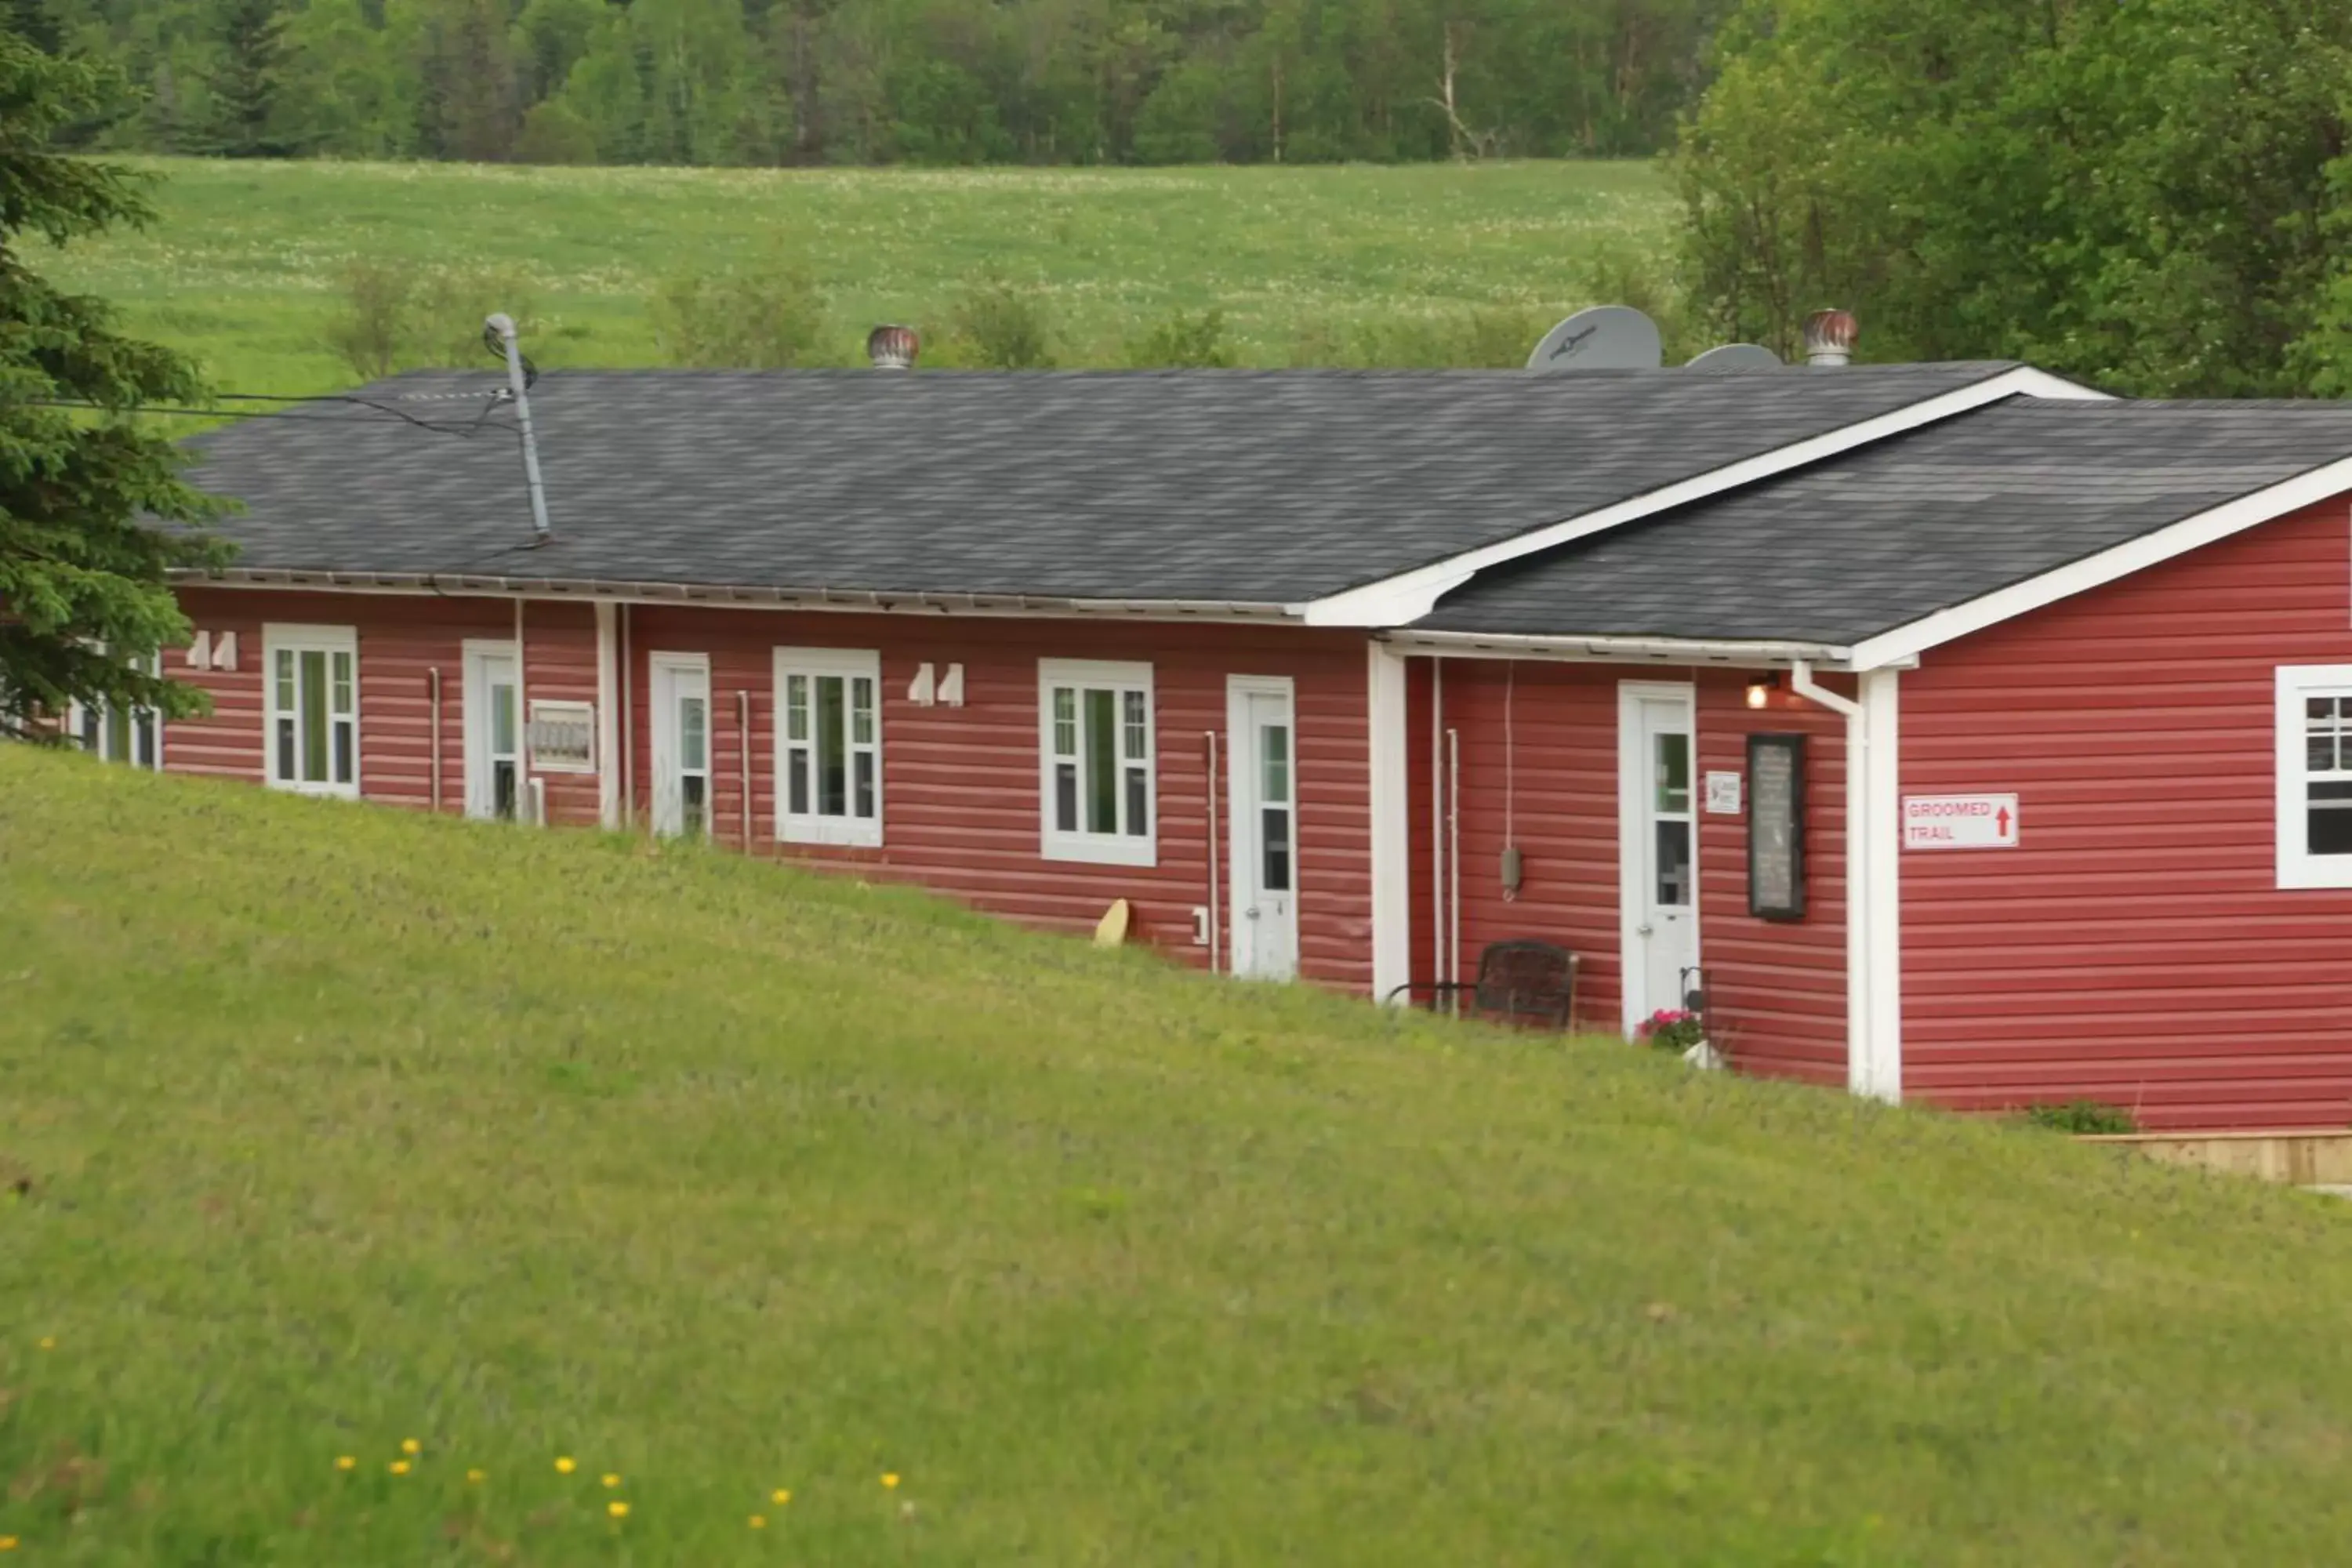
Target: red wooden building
[{"x": 1972, "y": 736}]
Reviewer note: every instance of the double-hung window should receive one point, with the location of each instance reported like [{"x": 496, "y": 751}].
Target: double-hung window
[
  {"x": 121, "y": 733},
  {"x": 1094, "y": 743},
  {"x": 311, "y": 683},
  {"x": 828, "y": 746},
  {"x": 2315, "y": 775}
]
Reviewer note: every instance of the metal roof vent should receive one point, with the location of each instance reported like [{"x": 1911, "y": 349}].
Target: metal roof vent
[
  {"x": 892, "y": 348},
  {"x": 1829, "y": 337}
]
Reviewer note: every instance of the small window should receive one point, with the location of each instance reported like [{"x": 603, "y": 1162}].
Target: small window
[
  {"x": 310, "y": 677},
  {"x": 1095, "y": 742},
  {"x": 828, "y": 746},
  {"x": 2315, "y": 775},
  {"x": 131, "y": 734}
]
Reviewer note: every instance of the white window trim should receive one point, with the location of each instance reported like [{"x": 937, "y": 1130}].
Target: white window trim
[
  {"x": 299, "y": 638},
  {"x": 2297, "y": 866},
  {"x": 811, "y": 827},
  {"x": 76, "y": 714},
  {"x": 1096, "y": 848}
]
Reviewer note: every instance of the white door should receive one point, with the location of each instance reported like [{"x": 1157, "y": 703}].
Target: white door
[
  {"x": 681, "y": 737},
  {"x": 1263, "y": 783},
  {"x": 493, "y": 731},
  {"x": 1658, "y": 844}
]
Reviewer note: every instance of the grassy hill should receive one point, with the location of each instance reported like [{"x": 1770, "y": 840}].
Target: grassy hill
[
  {"x": 337, "y": 1127},
  {"x": 1413, "y": 264}
]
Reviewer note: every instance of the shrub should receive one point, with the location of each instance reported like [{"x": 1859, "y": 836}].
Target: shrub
[
  {"x": 771, "y": 319},
  {"x": 2082, "y": 1116},
  {"x": 370, "y": 324},
  {"x": 1183, "y": 342},
  {"x": 553, "y": 132},
  {"x": 450, "y": 305},
  {"x": 1003, "y": 326}
]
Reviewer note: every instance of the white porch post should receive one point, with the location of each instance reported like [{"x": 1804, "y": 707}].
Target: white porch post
[
  {"x": 1392, "y": 881},
  {"x": 608, "y": 718},
  {"x": 1882, "y": 906}
]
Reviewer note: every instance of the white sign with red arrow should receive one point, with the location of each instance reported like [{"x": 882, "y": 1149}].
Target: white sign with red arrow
[{"x": 1959, "y": 822}]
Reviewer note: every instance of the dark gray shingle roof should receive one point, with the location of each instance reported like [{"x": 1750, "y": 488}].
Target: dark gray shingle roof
[
  {"x": 1894, "y": 531},
  {"x": 1237, "y": 486}
]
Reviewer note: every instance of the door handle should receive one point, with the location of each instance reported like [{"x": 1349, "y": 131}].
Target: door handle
[
  {"x": 1642, "y": 929},
  {"x": 1250, "y": 913}
]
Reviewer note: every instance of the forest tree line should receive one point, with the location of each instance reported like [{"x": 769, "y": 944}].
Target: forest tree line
[{"x": 767, "y": 82}]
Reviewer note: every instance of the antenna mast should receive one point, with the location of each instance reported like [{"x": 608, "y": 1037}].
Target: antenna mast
[{"x": 499, "y": 335}]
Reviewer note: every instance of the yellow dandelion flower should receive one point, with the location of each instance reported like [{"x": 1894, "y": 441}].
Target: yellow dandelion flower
[
  {"x": 410, "y": 1446},
  {"x": 47, "y": 1343},
  {"x": 617, "y": 1509},
  {"x": 612, "y": 1480},
  {"x": 474, "y": 1475},
  {"x": 891, "y": 1480},
  {"x": 398, "y": 1466},
  {"x": 8, "y": 1543},
  {"x": 346, "y": 1462},
  {"x": 759, "y": 1521},
  {"x": 564, "y": 1465},
  {"x": 783, "y": 1494}
]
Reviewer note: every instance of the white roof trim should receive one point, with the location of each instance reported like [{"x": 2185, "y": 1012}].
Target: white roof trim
[
  {"x": 1746, "y": 653},
  {"x": 1907, "y": 642},
  {"x": 1409, "y": 595},
  {"x": 461, "y": 584}
]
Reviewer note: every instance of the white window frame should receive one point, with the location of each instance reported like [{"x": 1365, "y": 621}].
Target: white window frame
[
  {"x": 78, "y": 715},
  {"x": 2297, "y": 866},
  {"x": 814, "y": 827},
  {"x": 279, "y": 636},
  {"x": 1118, "y": 847}
]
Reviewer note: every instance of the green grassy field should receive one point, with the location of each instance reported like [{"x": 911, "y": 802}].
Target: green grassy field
[
  {"x": 1310, "y": 265},
  {"x": 337, "y": 1127}
]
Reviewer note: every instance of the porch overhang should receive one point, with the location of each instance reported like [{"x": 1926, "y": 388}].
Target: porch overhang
[{"x": 1610, "y": 648}]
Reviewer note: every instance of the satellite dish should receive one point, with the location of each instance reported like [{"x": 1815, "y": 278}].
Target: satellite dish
[
  {"x": 1727, "y": 357},
  {"x": 1605, "y": 337}
]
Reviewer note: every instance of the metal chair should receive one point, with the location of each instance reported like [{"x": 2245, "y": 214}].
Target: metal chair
[{"x": 1520, "y": 981}]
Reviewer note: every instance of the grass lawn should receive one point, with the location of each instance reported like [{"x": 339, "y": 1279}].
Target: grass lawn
[
  {"x": 339, "y": 1126},
  {"x": 1309, "y": 264}
]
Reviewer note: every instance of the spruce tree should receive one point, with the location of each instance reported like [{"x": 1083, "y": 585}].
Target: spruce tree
[
  {"x": 245, "y": 84},
  {"x": 94, "y": 513}
]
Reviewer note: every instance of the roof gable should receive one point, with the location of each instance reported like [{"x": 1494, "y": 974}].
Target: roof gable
[{"x": 1910, "y": 532}]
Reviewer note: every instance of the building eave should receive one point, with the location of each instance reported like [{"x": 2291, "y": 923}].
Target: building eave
[
  {"x": 1740, "y": 653},
  {"x": 739, "y": 596}
]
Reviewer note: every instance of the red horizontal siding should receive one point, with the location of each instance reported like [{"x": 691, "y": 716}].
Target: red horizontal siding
[
  {"x": 402, "y": 639},
  {"x": 959, "y": 784},
  {"x": 2135, "y": 947},
  {"x": 1545, "y": 778},
  {"x": 1779, "y": 985}
]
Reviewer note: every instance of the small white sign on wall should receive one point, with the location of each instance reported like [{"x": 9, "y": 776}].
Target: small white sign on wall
[
  {"x": 1959, "y": 822},
  {"x": 1723, "y": 794}
]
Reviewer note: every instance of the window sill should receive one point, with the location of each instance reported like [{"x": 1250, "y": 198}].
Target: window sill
[
  {"x": 827, "y": 836},
  {"x": 2316, "y": 872},
  {"x": 321, "y": 792},
  {"x": 1099, "y": 851}
]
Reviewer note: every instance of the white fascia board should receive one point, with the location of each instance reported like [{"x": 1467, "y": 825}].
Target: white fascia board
[
  {"x": 858, "y": 601},
  {"x": 1406, "y": 597},
  {"x": 1570, "y": 649},
  {"x": 2208, "y": 527}
]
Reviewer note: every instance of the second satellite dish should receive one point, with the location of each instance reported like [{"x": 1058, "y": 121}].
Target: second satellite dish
[
  {"x": 1736, "y": 356},
  {"x": 1605, "y": 337}
]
